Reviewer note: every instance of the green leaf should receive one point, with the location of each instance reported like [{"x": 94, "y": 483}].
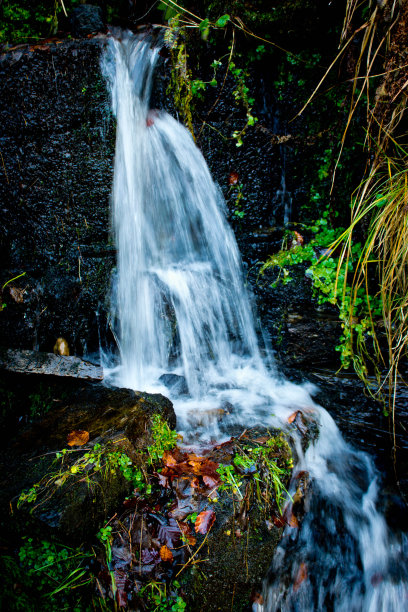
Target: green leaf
[
  {"x": 204, "y": 25},
  {"x": 222, "y": 21}
]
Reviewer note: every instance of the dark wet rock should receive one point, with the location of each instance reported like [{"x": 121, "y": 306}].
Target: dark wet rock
[
  {"x": 33, "y": 362},
  {"x": 116, "y": 419},
  {"x": 238, "y": 559},
  {"x": 57, "y": 142},
  {"x": 86, "y": 19},
  {"x": 177, "y": 384}
]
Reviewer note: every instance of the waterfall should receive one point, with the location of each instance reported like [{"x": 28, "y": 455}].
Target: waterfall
[{"x": 184, "y": 320}]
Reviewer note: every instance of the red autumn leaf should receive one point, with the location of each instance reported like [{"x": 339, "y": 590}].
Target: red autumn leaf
[
  {"x": 297, "y": 239},
  {"x": 209, "y": 468},
  {"x": 186, "y": 531},
  {"x": 278, "y": 521},
  {"x": 120, "y": 582},
  {"x": 292, "y": 521},
  {"x": 292, "y": 417},
  {"x": 204, "y": 521},
  {"x": 166, "y": 554},
  {"x": 211, "y": 482},
  {"x": 300, "y": 576},
  {"x": 78, "y": 437},
  {"x": 233, "y": 178},
  {"x": 195, "y": 483},
  {"x": 169, "y": 459}
]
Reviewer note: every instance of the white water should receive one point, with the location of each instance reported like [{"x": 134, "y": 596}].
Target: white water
[{"x": 181, "y": 309}]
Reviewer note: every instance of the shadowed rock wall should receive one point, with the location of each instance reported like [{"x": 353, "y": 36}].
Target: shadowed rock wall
[{"x": 57, "y": 147}]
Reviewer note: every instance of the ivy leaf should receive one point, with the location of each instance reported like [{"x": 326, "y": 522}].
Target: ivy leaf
[{"x": 222, "y": 21}]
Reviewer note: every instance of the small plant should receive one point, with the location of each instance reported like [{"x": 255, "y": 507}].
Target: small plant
[
  {"x": 161, "y": 598},
  {"x": 100, "y": 460},
  {"x": 269, "y": 465},
  {"x": 164, "y": 439},
  {"x": 53, "y": 569},
  {"x": 231, "y": 481}
]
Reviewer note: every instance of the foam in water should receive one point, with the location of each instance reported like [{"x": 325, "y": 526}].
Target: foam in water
[{"x": 183, "y": 316}]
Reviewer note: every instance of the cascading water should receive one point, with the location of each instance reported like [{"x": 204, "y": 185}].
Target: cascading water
[{"x": 182, "y": 311}]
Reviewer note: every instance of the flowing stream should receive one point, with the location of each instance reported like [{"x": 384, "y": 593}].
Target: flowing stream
[{"x": 185, "y": 328}]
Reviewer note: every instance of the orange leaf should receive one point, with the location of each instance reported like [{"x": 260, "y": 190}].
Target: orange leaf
[
  {"x": 166, "y": 554},
  {"x": 233, "y": 178},
  {"x": 168, "y": 459},
  {"x": 292, "y": 416},
  {"x": 195, "y": 483},
  {"x": 204, "y": 521},
  {"x": 186, "y": 531},
  {"x": 300, "y": 577},
  {"x": 79, "y": 437}
]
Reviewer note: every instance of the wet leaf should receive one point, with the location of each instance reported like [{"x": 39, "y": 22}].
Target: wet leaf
[
  {"x": 169, "y": 459},
  {"x": 186, "y": 531},
  {"x": 150, "y": 556},
  {"x": 17, "y": 294},
  {"x": 211, "y": 482},
  {"x": 120, "y": 581},
  {"x": 262, "y": 439},
  {"x": 163, "y": 478},
  {"x": 297, "y": 239},
  {"x": 298, "y": 419},
  {"x": 278, "y": 521},
  {"x": 169, "y": 534},
  {"x": 166, "y": 554},
  {"x": 204, "y": 521},
  {"x": 195, "y": 483},
  {"x": 233, "y": 178},
  {"x": 222, "y": 21},
  {"x": 300, "y": 577},
  {"x": 78, "y": 437},
  {"x": 291, "y": 520}
]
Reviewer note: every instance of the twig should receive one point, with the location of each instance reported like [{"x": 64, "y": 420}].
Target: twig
[{"x": 198, "y": 549}]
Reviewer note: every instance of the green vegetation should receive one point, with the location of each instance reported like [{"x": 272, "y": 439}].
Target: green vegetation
[
  {"x": 99, "y": 461},
  {"x": 269, "y": 466}
]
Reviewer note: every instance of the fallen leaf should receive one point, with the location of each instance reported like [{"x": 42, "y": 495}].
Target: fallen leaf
[
  {"x": 168, "y": 459},
  {"x": 211, "y": 482},
  {"x": 166, "y": 554},
  {"x": 297, "y": 239},
  {"x": 278, "y": 521},
  {"x": 186, "y": 531},
  {"x": 204, "y": 521},
  {"x": 150, "y": 556},
  {"x": 79, "y": 437},
  {"x": 169, "y": 534},
  {"x": 120, "y": 582},
  {"x": 299, "y": 420},
  {"x": 262, "y": 439},
  {"x": 288, "y": 516},
  {"x": 17, "y": 294},
  {"x": 195, "y": 483},
  {"x": 300, "y": 577},
  {"x": 233, "y": 178}
]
